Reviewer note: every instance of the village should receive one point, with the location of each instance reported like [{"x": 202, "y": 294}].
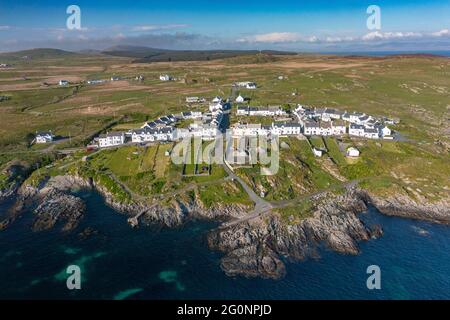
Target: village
[{"x": 301, "y": 121}]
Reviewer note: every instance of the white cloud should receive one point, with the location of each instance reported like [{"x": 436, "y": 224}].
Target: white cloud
[
  {"x": 441, "y": 33},
  {"x": 377, "y": 35},
  {"x": 3, "y": 28},
  {"x": 159, "y": 27},
  {"x": 273, "y": 37}
]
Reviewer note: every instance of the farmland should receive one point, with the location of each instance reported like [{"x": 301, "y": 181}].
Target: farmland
[{"x": 414, "y": 89}]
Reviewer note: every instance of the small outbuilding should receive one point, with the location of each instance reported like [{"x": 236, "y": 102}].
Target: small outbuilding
[
  {"x": 352, "y": 152},
  {"x": 240, "y": 99}
]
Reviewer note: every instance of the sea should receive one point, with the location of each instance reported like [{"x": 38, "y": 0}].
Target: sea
[{"x": 119, "y": 262}]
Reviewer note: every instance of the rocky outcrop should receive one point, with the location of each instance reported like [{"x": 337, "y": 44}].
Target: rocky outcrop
[
  {"x": 173, "y": 214},
  {"x": 179, "y": 211},
  {"x": 15, "y": 173},
  {"x": 403, "y": 206},
  {"x": 57, "y": 207},
  {"x": 9, "y": 191},
  {"x": 256, "y": 247},
  {"x": 253, "y": 248}
]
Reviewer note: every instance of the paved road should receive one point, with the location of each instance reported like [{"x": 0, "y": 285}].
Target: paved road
[{"x": 258, "y": 212}]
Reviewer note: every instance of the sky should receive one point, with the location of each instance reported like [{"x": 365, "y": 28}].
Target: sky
[{"x": 316, "y": 25}]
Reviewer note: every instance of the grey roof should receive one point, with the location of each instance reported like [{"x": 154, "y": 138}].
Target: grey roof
[
  {"x": 112, "y": 134},
  {"x": 138, "y": 131},
  {"x": 166, "y": 130},
  {"x": 311, "y": 124},
  {"x": 287, "y": 125},
  {"x": 43, "y": 133},
  {"x": 356, "y": 126},
  {"x": 369, "y": 130},
  {"x": 333, "y": 111}
]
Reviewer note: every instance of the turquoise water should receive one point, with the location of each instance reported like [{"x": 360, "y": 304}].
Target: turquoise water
[{"x": 151, "y": 263}]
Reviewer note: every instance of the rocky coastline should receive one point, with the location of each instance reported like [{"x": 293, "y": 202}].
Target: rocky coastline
[{"x": 253, "y": 248}]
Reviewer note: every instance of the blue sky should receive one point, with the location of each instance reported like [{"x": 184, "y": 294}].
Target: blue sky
[{"x": 284, "y": 24}]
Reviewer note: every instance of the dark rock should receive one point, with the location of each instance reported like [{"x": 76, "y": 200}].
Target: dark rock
[{"x": 58, "y": 207}]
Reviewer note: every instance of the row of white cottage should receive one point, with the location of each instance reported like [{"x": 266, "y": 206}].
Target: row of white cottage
[
  {"x": 269, "y": 111},
  {"x": 331, "y": 123}
]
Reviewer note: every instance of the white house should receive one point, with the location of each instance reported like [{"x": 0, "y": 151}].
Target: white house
[
  {"x": 356, "y": 130},
  {"x": 63, "y": 82},
  {"x": 371, "y": 133},
  {"x": 353, "y": 117},
  {"x": 180, "y": 133},
  {"x": 195, "y": 100},
  {"x": 95, "y": 81},
  {"x": 242, "y": 111},
  {"x": 385, "y": 131},
  {"x": 191, "y": 115},
  {"x": 246, "y": 84},
  {"x": 240, "y": 99},
  {"x": 338, "y": 128},
  {"x": 286, "y": 129},
  {"x": 352, "y": 152},
  {"x": 142, "y": 135},
  {"x": 269, "y": 111},
  {"x": 365, "y": 119},
  {"x": 317, "y": 152},
  {"x": 215, "y": 106},
  {"x": 149, "y": 135},
  {"x": 165, "y": 77},
  {"x": 111, "y": 139},
  {"x": 164, "y": 134},
  {"x": 248, "y": 130},
  {"x": 331, "y": 114},
  {"x": 217, "y": 99},
  {"x": 251, "y": 85},
  {"x": 209, "y": 131},
  {"x": 44, "y": 137},
  {"x": 311, "y": 128}
]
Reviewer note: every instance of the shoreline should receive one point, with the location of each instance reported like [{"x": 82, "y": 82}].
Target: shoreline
[{"x": 253, "y": 248}]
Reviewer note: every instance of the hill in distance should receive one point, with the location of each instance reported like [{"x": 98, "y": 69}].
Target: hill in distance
[
  {"x": 40, "y": 53},
  {"x": 145, "y": 54}
]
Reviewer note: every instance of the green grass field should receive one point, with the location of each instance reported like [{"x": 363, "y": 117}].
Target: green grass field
[{"x": 412, "y": 89}]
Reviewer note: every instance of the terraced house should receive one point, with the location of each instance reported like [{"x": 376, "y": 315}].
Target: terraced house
[{"x": 111, "y": 139}]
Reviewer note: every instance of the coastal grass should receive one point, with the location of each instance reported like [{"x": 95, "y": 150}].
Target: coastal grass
[
  {"x": 294, "y": 214},
  {"x": 299, "y": 173},
  {"x": 229, "y": 192}
]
